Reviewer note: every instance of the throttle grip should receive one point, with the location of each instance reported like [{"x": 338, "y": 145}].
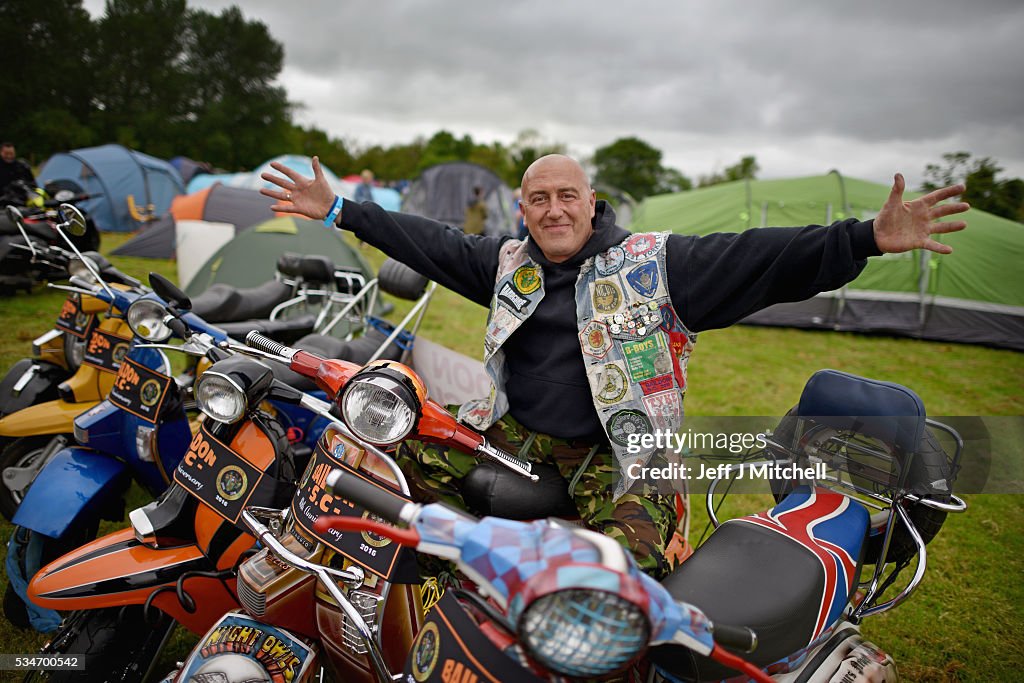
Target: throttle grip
[
  {"x": 267, "y": 345},
  {"x": 365, "y": 494}
]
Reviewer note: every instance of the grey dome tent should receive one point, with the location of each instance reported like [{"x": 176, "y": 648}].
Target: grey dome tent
[
  {"x": 975, "y": 295},
  {"x": 442, "y": 192},
  {"x": 117, "y": 175}
]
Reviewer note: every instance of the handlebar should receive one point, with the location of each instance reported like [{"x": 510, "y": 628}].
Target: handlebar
[
  {"x": 371, "y": 497},
  {"x": 737, "y": 637}
]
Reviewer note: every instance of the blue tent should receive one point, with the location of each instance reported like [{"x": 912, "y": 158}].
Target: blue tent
[{"x": 123, "y": 177}]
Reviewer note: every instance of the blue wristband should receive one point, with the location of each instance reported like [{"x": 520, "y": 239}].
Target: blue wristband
[{"x": 332, "y": 215}]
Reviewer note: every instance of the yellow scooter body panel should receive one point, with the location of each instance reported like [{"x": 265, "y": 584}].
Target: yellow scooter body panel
[{"x": 52, "y": 417}]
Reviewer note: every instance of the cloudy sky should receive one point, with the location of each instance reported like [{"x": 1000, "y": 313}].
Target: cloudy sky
[{"x": 867, "y": 87}]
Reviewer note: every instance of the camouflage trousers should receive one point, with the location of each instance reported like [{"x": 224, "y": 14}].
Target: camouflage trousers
[{"x": 642, "y": 520}]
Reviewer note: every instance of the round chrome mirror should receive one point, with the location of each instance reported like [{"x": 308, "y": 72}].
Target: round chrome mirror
[{"x": 73, "y": 220}]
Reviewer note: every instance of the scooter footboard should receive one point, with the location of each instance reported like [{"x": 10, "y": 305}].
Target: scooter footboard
[
  {"x": 241, "y": 648},
  {"x": 95, "y": 480}
]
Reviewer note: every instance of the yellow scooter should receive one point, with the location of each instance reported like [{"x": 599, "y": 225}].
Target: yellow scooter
[{"x": 32, "y": 429}]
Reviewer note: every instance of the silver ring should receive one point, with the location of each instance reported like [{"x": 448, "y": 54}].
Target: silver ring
[{"x": 288, "y": 196}]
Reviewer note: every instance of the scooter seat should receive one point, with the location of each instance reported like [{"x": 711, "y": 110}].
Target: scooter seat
[
  {"x": 787, "y": 574},
  {"x": 284, "y": 331},
  {"x": 225, "y": 303}
]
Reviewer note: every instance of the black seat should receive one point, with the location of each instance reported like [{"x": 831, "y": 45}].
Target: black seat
[
  {"x": 491, "y": 489},
  {"x": 225, "y": 303},
  {"x": 284, "y": 331},
  {"x": 748, "y": 575},
  {"x": 312, "y": 268}
]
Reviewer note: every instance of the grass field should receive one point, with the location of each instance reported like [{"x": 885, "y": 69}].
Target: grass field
[{"x": 963, "y": 624}]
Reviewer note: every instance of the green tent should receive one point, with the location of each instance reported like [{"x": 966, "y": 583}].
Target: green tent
[
  {"x": 976, "y": 295},
  {"x": 250, "y": 259}
]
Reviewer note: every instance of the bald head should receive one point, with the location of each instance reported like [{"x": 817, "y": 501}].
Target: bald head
[
  {"x": 558, "y": 206},
  {"x": 558, "y": 163}
]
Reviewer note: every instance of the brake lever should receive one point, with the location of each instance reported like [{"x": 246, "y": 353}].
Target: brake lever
[{"x": 517, "y": 465}]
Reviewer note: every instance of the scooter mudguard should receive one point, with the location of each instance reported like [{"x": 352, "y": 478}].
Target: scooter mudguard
[
  {"x": 52, "y": 417},
  {"x": 18, "y": 393},
  {"x": 118, "y": 569},
  {"x": 76, "y": 483},
  {"x": 241, "y": 648}
]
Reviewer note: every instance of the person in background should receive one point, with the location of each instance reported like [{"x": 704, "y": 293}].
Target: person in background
[
  {"x": 476, "y": 213},
  {"x": 517, "y": 205},
  {"x": 12, "y": 168},
  {"x": 364, "y": 190}
]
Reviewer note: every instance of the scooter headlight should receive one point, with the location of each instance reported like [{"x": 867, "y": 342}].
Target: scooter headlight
[
  {"x": 146, "y": 319},
  {"x": 380, "y": 405},
  {"x": 584, "y": 622},
  {"x": 220, "y": 397},
  {"x": 78, "y": 268}
]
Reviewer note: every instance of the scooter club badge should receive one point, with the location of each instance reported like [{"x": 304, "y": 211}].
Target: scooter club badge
[
  {"x": 607, "y": 297},
  {"x": 612, "y": 384},
  {"x": 426, "y": 652},
  {"x": 526, "y": 279},
  {"x": 625, "y": 423},
  {"x": 232, "y": 482},
  {"x": 595, "y": 340},
  {"x": 609, "y": 262},
  {"x": 644, "y": 278},
  {"x": 376, "y": 540},
  {"x": 639, "y": 247},
  {"x": 149, "y": 393}
]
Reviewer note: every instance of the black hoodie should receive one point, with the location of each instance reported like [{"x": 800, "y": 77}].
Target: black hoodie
[{"x": 714, "y": 281}]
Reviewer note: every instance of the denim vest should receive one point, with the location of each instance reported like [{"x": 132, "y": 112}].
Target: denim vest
[{"x": 634, "y": 345}]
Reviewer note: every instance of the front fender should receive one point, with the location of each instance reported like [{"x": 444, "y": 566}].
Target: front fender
[
  {"x": 42, "y": 385},
  {"x": 76, "y": 483},
  {"x": 52, "y": 417}
]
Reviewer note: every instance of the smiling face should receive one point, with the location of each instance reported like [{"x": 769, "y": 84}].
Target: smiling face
[
  {"x": 558, "y": 206},
  {"x": 7, "y": 153}
]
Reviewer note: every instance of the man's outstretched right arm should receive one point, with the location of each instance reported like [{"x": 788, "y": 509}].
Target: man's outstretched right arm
[{"x": 465, "y": 264}]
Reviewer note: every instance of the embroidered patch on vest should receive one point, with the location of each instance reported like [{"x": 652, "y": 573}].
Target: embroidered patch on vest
[
  {"x": 656, "y": 384},
  {"x": 502, "y": 324},
  {"x": 511, "y": 298},
  {"x": 647, "y": 358},
  {"x": 527, "y": 279},
  {"x": 639, "y": 247},
  {"x": 594, "y": 339},
  {"x": 664, "y": 408},
  {"x": 644, "y": 278},
  {"x": 669, "y": 320},
  {"x": 607, "y": 296},
  {"x": 610, "y": 383},
  {"x": 610, "y": 262},
  {"x": 623, "y": 424}
]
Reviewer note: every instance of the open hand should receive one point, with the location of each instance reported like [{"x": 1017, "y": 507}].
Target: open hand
[
  {"x": 310, "y": 197},
  {"x": 902, "y": 226}
]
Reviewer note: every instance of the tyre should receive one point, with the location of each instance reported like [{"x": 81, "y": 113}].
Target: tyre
[
  {"x": 118, "y": 644},
  {"x": 398, "y": 279},
  {"x": 23, "y": 452},
  {"x": 52, "y": 548}
]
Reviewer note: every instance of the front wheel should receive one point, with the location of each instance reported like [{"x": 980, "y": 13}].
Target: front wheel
[
  {"x": 31, "y": 551},
  {"x": 25, "y": 458},
  {"x": 117, "y": 643}
]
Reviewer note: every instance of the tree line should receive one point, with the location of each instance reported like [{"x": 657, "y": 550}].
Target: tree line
[{"x": 169, "y": 80}]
